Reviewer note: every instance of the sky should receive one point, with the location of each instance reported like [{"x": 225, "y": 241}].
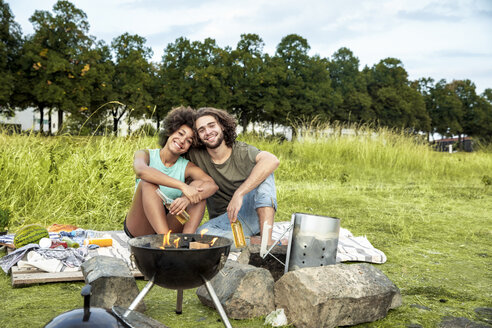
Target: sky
[{"x": 449, "y": 40}]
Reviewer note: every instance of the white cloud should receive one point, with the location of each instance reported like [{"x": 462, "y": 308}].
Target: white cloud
[{"x": 431, "y": 38}]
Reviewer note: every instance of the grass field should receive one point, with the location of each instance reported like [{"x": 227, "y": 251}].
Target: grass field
[{"x": 429, "y": 212}]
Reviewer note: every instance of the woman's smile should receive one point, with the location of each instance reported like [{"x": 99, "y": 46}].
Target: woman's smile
[{"x": 181, "y": 140}]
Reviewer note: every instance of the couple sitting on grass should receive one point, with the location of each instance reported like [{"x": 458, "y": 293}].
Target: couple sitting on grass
[{"x": 233, "y": 179}]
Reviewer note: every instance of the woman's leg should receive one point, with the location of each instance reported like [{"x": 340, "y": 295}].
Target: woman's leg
[
  {"x": 196, "y": 212},
  {"x": 174, "y": 225},
  {"x": 147, "y": 214}
]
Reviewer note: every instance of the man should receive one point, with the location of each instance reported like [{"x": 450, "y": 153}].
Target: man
[{"x": 243, "y": 173}]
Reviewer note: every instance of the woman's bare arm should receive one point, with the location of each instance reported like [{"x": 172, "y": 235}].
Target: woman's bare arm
[
  {"x": 199, "y": 180},
  {"x": 149, "y": 174}
]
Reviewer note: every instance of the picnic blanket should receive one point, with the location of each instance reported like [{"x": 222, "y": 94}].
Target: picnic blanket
[
  {"x": 63, "y": 260},
  {"x": 350, "y": 248}
]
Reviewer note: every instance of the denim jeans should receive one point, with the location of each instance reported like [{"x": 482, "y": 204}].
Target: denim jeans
[{"x": 264, "y": 195}]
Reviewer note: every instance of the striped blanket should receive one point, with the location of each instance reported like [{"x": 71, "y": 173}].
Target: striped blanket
[{"x": 350, "y": 248}]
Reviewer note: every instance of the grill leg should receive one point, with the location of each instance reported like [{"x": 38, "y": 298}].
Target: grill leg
[
  {"x": 179, "y": 302},
  {"x": 140, "y": 297},
  {"x": 218, "y": 306}
]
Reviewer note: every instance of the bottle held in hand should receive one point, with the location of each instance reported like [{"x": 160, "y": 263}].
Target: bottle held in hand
[
  {"x": 238, "y": 233},
  {"x": 183, "y": 217}
]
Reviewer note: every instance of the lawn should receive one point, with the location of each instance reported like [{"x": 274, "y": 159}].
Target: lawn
[{"x": 429, "y": 212}]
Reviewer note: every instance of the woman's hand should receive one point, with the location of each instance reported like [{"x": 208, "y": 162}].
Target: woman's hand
[
  {"x": 179, "y": 205},
  {"x": 192, "y": 193}
]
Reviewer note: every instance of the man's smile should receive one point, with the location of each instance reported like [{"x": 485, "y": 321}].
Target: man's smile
[{"x": 211, "y": 137}]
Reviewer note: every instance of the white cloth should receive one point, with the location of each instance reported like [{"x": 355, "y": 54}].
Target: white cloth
[
  {"x": 116, "y": 250},
  {"x": 36, "y": 260},
  {"x": 350, "y": 248}
]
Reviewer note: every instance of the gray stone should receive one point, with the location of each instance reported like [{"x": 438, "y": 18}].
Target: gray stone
[
  {"x": 244, "y": 291},
  {"x": 335, "y": 295},
  {"x": 112, "y": 282},
  {"x": 460, "y": 322},
  {"x": 244, "y": 256},
  {"x": 413, "y": 325},
  {"x": 484, "y": 314}
]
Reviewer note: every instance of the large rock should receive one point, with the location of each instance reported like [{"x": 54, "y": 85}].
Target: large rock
[
  {"x": 484, "y": 314},
  {"x": 112, "y": 282},
  {"x": 244, "y": 291},
  {"x": 244, "y": 256},
  {"x": 335, "y": 295}
]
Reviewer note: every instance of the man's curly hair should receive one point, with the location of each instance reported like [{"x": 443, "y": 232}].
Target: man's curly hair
[
  {"x": 225, "y": 119},
  {"x": 174, "y": 120}
]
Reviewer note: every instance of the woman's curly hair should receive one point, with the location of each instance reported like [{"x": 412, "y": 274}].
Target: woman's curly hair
[
  {"x": 174, "y": 120},
  {"x": 225, "y": 119}
]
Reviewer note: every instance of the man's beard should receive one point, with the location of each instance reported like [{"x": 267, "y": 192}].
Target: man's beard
[{"x": 217, "y": 143}]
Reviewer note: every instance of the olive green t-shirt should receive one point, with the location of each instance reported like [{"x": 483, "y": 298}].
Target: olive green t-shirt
[{"x": 228, "y": 175}]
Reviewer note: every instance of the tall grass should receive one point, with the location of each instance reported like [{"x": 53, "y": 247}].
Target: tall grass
[
  {"x": 329, "y": 153},
  {"x": 430, "y": 212},
  {"x": 85, "y": 181},
  {"x": 90, "y": 181}
]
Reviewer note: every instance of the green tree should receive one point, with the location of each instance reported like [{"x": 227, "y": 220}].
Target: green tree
[
  {"x": 194, "y": 74},
  {"x": 446, "y": 111},
  {"x": 132, "y": 78},
  {"x": 292, "y": 54},
  {"x": 96, "y": 91},
  {"x": 209, "y": 74},
  {"x": 10, "y": 43},
  {"x": 174, "y": 75},
  {"x": 474, "y": 119},
  {"x": 159, "y": 101},
  {"x": 319, "y": 88},
  {"x": 350, "y": 86},
  {"x": 394, "y": 101},
  {"x": 307, "y": 85},
  {"x": 51, "y": 59},
  {"x": 486, "y": 103},
  {"x": 246, "y": 78},
  {"x": 275, "y": 108},
  {"x": 487, "y": 95}
]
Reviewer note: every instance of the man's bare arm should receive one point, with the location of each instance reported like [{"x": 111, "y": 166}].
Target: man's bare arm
[
  {"x": 266, "y": 163},
  {"x": 200, "y": 180}
]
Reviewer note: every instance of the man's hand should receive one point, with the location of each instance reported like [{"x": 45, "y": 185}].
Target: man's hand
[
  {"x": 234, "y": 207},
  {"x": 179, "y": 205},
  {"x": 192, "y": 193},
  {"x": 266, "y": 163}
]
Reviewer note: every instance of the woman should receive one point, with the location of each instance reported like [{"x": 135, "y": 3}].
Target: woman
[{"x": 165, "y": 169}]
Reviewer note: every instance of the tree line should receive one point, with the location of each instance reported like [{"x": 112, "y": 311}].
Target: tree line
[{"x": 61, "y": 67}]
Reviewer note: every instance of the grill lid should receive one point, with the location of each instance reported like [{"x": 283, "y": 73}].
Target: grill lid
[{"x": 86, "y": 317}]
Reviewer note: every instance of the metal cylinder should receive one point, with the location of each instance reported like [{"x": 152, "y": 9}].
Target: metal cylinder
[
  {"x": 312, "y": 242},
  {"x": 140, "y": 297}
]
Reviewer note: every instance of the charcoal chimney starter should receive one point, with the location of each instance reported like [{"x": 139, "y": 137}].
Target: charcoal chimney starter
[{"x": 313, "y": 241}]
